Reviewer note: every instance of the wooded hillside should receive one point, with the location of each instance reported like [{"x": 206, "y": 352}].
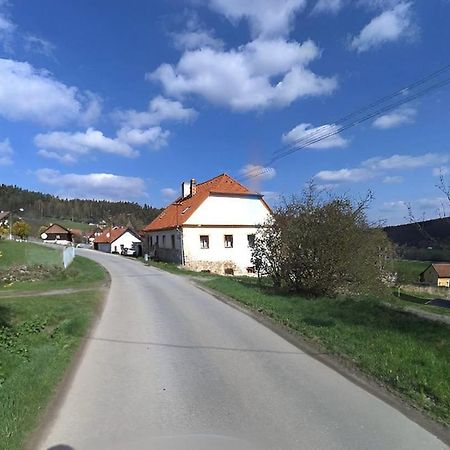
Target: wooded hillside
[{"x": 39, "y": 206}]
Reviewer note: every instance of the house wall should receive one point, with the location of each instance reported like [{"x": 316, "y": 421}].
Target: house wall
[
  {"x": 429, "y": 276},
  {"x": 217, "y": 258},
  {"x": 230, "y": 210},
  {"x": 443, "y": 282},
  {"x": 127, "y": 239},
  {"x": 164, "y": 250}
]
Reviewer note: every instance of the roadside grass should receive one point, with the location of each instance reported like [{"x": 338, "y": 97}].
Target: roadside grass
[
  {"x": 82, "y": 273},
  {"x": 408, "y": 271},
  {"x": 38, "y": 338},
  {"x": 404, "y": 352},
  {"x": 26, "y": 253}
]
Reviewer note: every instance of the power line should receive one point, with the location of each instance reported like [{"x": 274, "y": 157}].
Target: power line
[{"x": 387, "y": 103}]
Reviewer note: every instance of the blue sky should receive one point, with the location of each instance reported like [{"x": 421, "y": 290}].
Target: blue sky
[{"x": 124, "y": 100}]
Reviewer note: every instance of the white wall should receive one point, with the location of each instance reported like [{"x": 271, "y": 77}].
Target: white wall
[
  {"x": 240, "y": 254},
  {"x": 126, "y": 240},
  {"x": 230, "y": 210}
]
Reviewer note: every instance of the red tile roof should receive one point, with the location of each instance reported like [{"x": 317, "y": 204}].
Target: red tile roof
[
  {"x": 110, "y": 234},
  {"x": 181, "y": 209},
  {"x": 442, "y": 269}
]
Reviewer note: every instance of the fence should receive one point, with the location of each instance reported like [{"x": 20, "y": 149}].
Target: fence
[{"x": 68, "y": 255}]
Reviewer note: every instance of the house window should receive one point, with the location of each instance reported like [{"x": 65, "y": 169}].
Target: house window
[
  {"x": 172, "y": 238},
  {"x": 150, "y": 241},
  {"x": 251, "y": 240},
  {"x": 204, "y": 241},
  {"x": 157, "y": 240},
  {"x": 228, "y": 240},
  {"x": 164, "y": 240}
]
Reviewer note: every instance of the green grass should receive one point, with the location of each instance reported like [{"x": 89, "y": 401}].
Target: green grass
[
  {"x": 82, "y": 273},
  {"x": 38, "y": 338},
  {"x": 404, "y": 352},
  {"x": 408, "y": 271},
  {"x": 26, "y": 253}
]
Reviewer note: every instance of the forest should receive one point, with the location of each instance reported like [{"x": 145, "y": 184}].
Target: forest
[{"x": 40, "y": 207}]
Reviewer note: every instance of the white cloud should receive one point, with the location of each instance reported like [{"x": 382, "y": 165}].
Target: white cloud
[
  {"x": 266, "y": 17},
  {"x": 375, "y": 167},
  {"x": 438, "y": 171},
  {"x": 259, "y": 74},
  {"x": 156, "y": 137},
  {"x": 94, "y": 185},
  {"x": 6, "y": 153},
  {"x": 258, "y": 172},
  {"x": 390, "y": 26},
  {"x": 344, "y": 175},
  {"x": 7, "y": 30},
  {"x": 33, "y": 94},
  {"x": 393, "y": 180},
  {"x": 405, "y": 161},
  {"x": 160, "y": 109},
  {"x": 395, "y": 118},
  {"x": 194, "y": 39},
  {"x": 64, "y": 158},
  {"x": 70, "y": 146},
  {"x": 39, "y": 45},
  {"x": 328, "y": 6},
  {"x": 306, "y": 132},
  {"x": 169, "y": 193}
]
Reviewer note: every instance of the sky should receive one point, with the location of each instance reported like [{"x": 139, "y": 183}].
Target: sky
[{"x": 124, "y": 100}]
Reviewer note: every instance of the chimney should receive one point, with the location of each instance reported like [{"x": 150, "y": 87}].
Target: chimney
[
  {"x": 193, "y": 186},
  {"x": 185, "y": 189}
]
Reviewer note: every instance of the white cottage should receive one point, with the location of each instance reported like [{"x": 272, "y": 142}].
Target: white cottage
[
  {"x": 117, "y": 240},
  {"x": 210, "y": 227}
]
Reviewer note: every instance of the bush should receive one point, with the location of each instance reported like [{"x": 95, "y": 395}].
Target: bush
[{"x": 322, "y": 246}]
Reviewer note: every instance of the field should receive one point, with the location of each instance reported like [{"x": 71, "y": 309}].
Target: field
[
  {"x": 408, "y": 271},
  {"x": 39, "y": 335}
]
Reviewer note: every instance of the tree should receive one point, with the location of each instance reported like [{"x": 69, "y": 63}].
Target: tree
[
  {"x": 21, "y": 229},
  {"x": 322, "y": 246}
]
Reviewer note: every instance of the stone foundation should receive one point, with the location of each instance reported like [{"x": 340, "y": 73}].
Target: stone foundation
[{"x": 219, "y": 267}]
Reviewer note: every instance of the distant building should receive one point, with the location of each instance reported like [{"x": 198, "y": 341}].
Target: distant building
[
  {"x": 4, "y": 217},
  {"x": 211, "y": 226},
  {"x": 57, "y": 234},
  {"x": 117, "y": 239},
  {"x": 436, "y": 274}
]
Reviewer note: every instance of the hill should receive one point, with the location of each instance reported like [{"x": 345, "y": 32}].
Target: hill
[
  {"x": 41, "y": 209},
  {"x": 428, "y": 233}
]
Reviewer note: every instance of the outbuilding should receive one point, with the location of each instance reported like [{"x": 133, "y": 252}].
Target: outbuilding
[{"x": 436, "y": 274}]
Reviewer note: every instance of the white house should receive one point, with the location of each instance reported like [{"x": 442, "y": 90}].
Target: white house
[
  {"x": 211, "y": 226},
  {"x": 116, "y": 240}
]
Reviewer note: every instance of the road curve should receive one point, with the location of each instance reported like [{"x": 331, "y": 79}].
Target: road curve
[{"x": 169, "y": 367}]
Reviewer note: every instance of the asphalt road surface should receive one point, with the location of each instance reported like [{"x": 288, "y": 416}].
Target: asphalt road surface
[{"x": 169, "y": 367}]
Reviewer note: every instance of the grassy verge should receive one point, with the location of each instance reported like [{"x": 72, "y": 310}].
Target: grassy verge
[
  {"x": 26, "y": 253},
  {"x": 38, "y": 338},
  {"x": 404, "y": 352}
]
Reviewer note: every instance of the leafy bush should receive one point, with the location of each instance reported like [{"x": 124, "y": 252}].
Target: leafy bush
[{"x": 322, "y": 246}]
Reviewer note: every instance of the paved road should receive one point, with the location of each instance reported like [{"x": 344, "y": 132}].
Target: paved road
[{"x": 170, "y": 367}]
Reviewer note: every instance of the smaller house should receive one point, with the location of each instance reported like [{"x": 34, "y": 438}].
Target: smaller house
[
  {"x": 118, "y": 240},
  {"x": 4, "y": 218},
  {"x": 436, "y": 274},
  {"x": 57, "y": 234}
]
